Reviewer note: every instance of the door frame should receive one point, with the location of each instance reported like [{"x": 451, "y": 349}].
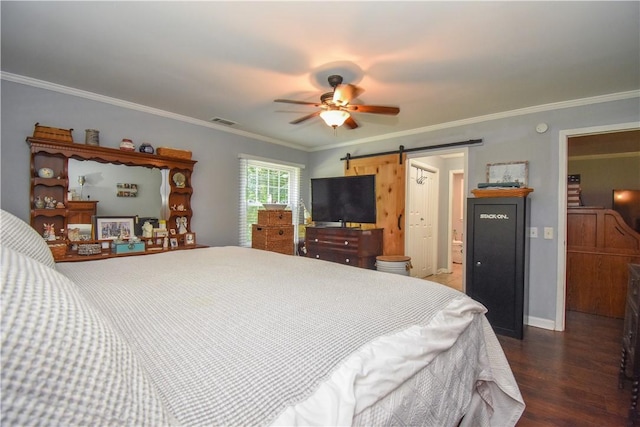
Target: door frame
[
  {"x": 563, "y": 145},
  {"x": 453, "y": 172}
]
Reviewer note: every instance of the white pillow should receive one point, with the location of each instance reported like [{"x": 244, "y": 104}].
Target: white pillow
[
  {"x": 20, "y": 236},
  {"x": 62, "y": 362}
]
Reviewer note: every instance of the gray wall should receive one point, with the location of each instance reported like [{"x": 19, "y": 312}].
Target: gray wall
[
  {"x": 504, "y": 140},
  {"x": 599, "y": 177},
  {"x": 215, "y": 177}
]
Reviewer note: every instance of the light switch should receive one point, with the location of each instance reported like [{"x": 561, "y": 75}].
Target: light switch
[
  {"x": 548, "y": 233},
  {"x": 533, "y": 232}
]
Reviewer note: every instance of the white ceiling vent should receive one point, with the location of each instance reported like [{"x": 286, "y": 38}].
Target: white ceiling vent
[{"x": 221, "y": 121}]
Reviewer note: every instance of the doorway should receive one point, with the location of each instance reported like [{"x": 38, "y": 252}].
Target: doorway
[
  {"x": 563, "y": 145},
  {"x": 444, "y": 161}
]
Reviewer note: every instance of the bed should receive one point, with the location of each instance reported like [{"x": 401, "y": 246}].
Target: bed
[{"x": 236, "y": 336}]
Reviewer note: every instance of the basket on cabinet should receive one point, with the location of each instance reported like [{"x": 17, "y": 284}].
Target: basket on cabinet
[{"x": 55, "y": 134}]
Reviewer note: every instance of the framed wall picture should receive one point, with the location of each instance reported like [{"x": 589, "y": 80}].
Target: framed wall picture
[
  {"x": 126, "y": 190},
  {"x": 509, "y": 172},
  {"x": 113, "y": 227},
  {"x": 189, "y": 239}
]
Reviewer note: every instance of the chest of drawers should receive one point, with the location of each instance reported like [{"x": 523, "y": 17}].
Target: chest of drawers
[{"x": 349, "y": 246}]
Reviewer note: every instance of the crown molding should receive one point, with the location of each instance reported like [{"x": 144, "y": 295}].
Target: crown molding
[
  {"x": 426, "y": 129},
  {"x": 496, "y": 116},
  {"x": 138, "y": 107}
]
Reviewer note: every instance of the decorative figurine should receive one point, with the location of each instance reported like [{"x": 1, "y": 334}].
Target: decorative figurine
[
  {"x": 50, "y": 202},
  {"x": 146, "y": 148},
  {"x": 181, "y": 223},
  {"x": 39, "y": 203},
  {"x": 147, "y": 230},
  {"x": 49, "y": 232}
]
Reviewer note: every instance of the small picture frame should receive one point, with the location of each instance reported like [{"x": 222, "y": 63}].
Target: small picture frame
[
  {"x": 172, "y": 231},
  {"x": 126, "y": 190},
  {"x": 78, "y": 232},
  {"x": 173, "y": 242},
  {"x": 189, "y": 239},
  {"x": 509, "y": 172}
]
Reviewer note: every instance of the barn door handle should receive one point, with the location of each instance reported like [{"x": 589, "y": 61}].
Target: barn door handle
[{"x": 400, "y": 222}]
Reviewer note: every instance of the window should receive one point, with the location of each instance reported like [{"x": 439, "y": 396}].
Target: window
[{"x": 264, "y": 181}]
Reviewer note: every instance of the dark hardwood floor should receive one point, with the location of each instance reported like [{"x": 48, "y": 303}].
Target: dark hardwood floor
[{"x": 570, "y": 378}]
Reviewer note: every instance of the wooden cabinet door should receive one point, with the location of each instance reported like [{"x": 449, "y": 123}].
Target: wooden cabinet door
[{"x": 390, "y": 196}]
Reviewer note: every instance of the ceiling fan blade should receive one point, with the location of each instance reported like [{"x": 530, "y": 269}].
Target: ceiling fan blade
[
  {"x": 307, "y": 117},
  {"x": 373, "y": 109},
  {"x": 343, "y": 94},
  {"x": 291, "y": 101},
  {"x": 350, "y": 123}
]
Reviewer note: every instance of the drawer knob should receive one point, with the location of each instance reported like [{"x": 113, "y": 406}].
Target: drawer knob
[
  {"x": 318, "y": 256},
  {"x": 316, "y": 240},
  {"x": 280, "y": 232},
  {"x": 347, "y": 260},
  {"x": 346, "y": 242}
]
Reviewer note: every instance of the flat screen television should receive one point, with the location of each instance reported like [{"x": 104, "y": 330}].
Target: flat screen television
[{"x": 344, "y": 199}]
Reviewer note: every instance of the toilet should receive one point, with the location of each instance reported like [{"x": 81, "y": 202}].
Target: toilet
[{"x": 456, "y": 251}]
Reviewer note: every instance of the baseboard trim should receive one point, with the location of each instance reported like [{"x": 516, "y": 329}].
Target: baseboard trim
[{"x": 538, "y": 322}]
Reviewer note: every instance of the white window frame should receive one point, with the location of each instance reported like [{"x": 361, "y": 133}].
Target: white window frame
[{"x": 294, "y": 171}]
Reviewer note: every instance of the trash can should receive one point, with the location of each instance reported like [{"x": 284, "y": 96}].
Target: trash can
[{"x": 397, "y": 264}]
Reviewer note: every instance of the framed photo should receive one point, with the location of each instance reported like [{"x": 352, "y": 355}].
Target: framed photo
[
  {"x": 173, "y": 242},
  {"x": 126, "y": 190},
  {"x": 509, "y": 172},
  {"x": 189, "y": 239},
  {"x": 113, "y": 227},
  {"x": 172, "y": 231},
  {"x": 78, "y": 232}
]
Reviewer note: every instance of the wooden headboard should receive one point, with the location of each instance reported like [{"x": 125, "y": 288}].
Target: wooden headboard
[
  {"x": 600, "y": 245},
  {"x": 602, "y": 229}
]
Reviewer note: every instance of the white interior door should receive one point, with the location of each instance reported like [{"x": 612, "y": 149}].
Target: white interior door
[{"x": 421, "y": 220}]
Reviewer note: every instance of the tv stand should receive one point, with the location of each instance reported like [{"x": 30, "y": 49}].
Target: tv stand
[{"x": 345, "y": 245}]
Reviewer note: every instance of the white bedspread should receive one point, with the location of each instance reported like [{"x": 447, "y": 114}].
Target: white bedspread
[{"x": 235, "y": 336}]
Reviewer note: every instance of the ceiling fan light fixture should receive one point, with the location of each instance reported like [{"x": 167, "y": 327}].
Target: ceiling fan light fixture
[{"x": 334, "y": 118}]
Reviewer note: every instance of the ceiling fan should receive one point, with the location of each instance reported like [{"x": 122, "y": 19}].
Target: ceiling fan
[{"x": 335, "y": 106}]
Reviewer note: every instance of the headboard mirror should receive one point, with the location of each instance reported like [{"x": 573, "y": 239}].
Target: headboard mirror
[{"x": 121, "y": 190}]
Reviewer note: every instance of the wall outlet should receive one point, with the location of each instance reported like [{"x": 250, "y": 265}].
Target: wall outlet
[
  {"x": 533, "y": 232},
  {"x": 548, "y": 233}
]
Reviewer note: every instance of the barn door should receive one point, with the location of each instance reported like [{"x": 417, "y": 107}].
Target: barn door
[{"x": 390, "y": 197}]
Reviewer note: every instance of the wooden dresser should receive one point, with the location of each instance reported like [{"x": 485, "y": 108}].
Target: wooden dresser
[
  {"x": 273, "y": 232},
  {"x": 81, "y": 211},
  {"x": 350, "y": 246},
  {"x": 630, "y": 363}
]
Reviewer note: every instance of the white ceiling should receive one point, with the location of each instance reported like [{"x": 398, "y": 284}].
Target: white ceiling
[{"x": 439, "y": 62}]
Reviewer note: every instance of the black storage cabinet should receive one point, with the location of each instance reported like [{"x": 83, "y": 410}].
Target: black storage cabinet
[{"x": 496, "y": 260}]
